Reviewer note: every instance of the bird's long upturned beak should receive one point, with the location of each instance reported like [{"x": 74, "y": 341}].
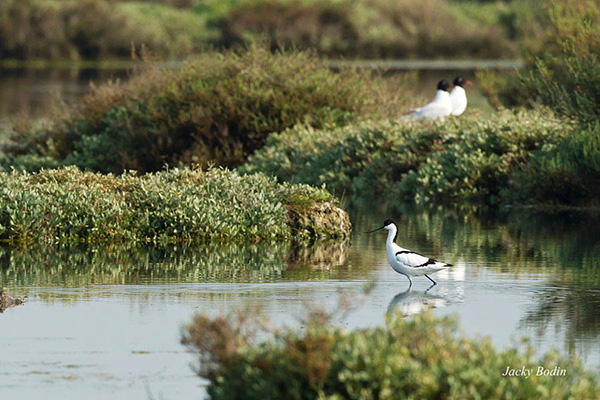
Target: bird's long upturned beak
[{"x": 375, "y": 230}]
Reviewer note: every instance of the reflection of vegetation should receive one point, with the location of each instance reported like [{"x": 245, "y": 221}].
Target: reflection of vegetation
[
  {"x": 417, "y": 358},
  {"x": 7, "y": 301},
  {"x": 179, "y": 205},
  {"x": 574, "y": 311},
  {"x": 76, "y": 267}
]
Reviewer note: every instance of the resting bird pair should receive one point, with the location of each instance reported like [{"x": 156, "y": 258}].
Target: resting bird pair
[{"x": 445, "y": 102}]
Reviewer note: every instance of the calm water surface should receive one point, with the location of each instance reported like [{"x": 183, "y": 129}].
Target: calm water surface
[{"x": 106, "y": 322}]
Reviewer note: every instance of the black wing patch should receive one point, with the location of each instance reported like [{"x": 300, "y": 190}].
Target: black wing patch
[
  {"x": 429, "y": 262},
  {"x": 405, "y": 252}
]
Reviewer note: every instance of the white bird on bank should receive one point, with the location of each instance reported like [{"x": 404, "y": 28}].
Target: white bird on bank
[
  {"x": 439, "y": 108},
  {"x": 406, "y": 262},
  {"x": 458, "y": 95}
]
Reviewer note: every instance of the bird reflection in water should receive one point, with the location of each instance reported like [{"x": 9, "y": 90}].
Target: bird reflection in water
[{"x": 411, "y": 302}]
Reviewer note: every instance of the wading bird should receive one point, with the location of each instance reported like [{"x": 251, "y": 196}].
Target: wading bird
[
  {"x": 458, "y": 95},
  {"x": 406, "y": 262},
  {"x": 439, "y": 108}
]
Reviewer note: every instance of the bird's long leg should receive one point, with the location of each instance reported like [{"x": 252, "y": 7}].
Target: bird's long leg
[
  {"x": 434, "y": 282},
  {"x": 429, "y": 288},
  {"x": 410, "y": 280}
]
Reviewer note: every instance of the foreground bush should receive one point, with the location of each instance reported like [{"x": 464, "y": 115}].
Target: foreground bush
[
  {"x": 464, "y": 159},
  {"x": 180, "y": 205},
  {"x": 217, "y": 109},
  {"x": 421, "y": 358}
]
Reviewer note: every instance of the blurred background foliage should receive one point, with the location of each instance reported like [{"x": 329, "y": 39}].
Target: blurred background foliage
[{"x": 97, "y": 29}]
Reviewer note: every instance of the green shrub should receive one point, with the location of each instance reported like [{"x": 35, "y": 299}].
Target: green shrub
[
  {"x": 366, "y": 28},
  {"x": 420, "y": 358},
  {"x": 563, "y": 68},
  {"x": 217, "y": 109},
  {"x": 566, "y": 73},
  {"x": 179, "y": 205},
  {"x": 464, "y": 159},
  {"x": 567, "y": 173}
]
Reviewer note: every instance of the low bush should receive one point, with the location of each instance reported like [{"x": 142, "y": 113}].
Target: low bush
[
  {"x": 366, "y": 28},
  {"x": 419, "y": 358},
  {"x": 567, "y": 173},
  {"x": 217, "y": 109},
  {"x": 464, "y": 159},
  {"x": 180, "y": 205}
]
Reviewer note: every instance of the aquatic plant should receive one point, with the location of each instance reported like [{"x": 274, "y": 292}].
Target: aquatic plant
[
  {"x": 217, "y": 109},
  {"x": 466, "y": 159},
  {"x": 419, "y": 358},
  {"x": 178, "y": 205}
]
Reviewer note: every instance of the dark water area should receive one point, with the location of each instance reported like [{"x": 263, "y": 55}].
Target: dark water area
[
  {"x": 33, "y": 92},
  {"x": 106, "y": 321}
]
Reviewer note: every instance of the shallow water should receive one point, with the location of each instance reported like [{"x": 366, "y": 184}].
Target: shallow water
[
  {"x": 106, "y": 322},
  {"x": 34, "y": 92}
]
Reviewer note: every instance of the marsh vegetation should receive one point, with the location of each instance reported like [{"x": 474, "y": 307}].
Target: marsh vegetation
[
  {"x": 66, "y": 205},
  {"x": 190, "y": 188}
]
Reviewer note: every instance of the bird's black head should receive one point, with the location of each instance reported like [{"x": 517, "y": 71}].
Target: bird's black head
[
  {"x": 461, "y": 81},
  {"x": 386, "y": 223},
  {"x": 443, "y": 85}
]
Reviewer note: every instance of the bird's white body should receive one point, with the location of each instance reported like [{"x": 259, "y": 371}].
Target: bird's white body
[
  {"x": 458, "y": 98},
  {"x": 439, "y": 108},
  {"x": 407, "y": 262}
]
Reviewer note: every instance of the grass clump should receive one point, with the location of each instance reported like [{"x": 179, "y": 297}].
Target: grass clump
[
  {"x": 180, "y": 205},
  {"x": 462, "y": 160},
  {"x": 420, "y": 358},
  {"x": 218, "y": 109}
]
